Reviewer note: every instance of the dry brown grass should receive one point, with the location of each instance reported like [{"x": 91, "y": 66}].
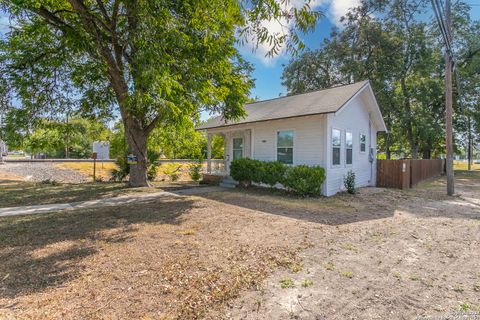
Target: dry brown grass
[
  {"x": 463, "y": 165},
  {"x": 103, "y": 170},
  {"x": 20, "y": 193},
  {"x": 192, "y": 257},
  {"x": 168, "y": 259}
]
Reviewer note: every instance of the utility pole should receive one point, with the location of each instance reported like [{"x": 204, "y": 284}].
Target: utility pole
[
  {"x": 448, "y": 104},
  {"x": 469, "y": 151},
  {"x": 67, "y": 140}
]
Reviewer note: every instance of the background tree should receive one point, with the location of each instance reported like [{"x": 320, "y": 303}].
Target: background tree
[
  {"x": 147, "y": 60},
  {"x": 393, "y": 45},
  {"x": 49, "y": 137},
  {"x": 467, "y": 85}
]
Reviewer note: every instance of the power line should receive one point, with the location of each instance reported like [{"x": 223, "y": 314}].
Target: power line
[
  {"x": 447, "y": 37},
  {"x": 441, "y": 25},
  {"x": 443, "y": 16}
]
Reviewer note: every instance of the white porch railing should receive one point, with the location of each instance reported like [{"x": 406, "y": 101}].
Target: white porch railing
[{"x": 217, "y": 167}]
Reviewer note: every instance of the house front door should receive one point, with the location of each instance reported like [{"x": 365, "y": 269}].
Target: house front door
[{"x": 238, "y": 148}]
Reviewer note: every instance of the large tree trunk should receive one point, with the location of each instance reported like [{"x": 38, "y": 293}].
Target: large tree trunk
[
  {"x": 408, "y": 110},
  {"x": 427, "y": 152},
  {"x": 388, "y": 153},
  {"x": 137, "y": 143}
]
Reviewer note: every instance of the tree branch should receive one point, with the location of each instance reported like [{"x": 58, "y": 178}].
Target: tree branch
[
  {"x": 115, "y": 72},
  {"x": 52, "y": 19},
  {"x": 471, "y": 54},
  {"x": 104, "y": 12},
  {"x": 149, "y": 128}
]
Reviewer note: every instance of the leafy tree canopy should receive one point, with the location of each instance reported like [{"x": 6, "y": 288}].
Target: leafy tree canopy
[
  {"x": 393, "y": 45},
  {"x": 149, "y": 61}
]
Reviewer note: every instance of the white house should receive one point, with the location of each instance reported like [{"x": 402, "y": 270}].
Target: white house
[{"x": 334, "y": 128}]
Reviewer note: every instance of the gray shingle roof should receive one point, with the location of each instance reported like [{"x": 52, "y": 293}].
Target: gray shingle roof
[{"x": 316, "y": 102}]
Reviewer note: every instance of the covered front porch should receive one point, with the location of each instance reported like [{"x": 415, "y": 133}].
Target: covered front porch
[{"x": 237, "y": 144}]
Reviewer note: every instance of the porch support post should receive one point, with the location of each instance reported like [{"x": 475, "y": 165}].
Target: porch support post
[{"x": 209, "y": 153}]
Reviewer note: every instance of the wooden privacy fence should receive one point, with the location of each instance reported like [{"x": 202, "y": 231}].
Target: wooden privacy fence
[{"x": 402, "y": 174}]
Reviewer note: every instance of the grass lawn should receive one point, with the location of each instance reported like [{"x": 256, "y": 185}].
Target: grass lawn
[
  {"x": 463, "y": 165},
  {"x": 255, "y": 254},
  {"x": 103, "y": 169},
  {"x": 15, "y": 156},
  {"x": 169, "y": 259},
  {"x": 19, "y": 193}
]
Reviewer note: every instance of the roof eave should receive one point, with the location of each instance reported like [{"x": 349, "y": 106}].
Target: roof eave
[{"x": 265, "y": 120}]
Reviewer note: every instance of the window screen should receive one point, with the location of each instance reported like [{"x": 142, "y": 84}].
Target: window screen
[
  {"x": 237, "y": 148},
  {"x": 348, "y": 148},
  {"x": 336, "y": 144},
  {"x": 285, "y": 146}
]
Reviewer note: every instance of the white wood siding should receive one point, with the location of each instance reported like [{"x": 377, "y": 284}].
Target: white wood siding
[
  {"x": 354, "y": 118},
  {"x": 308, "y": 144},
  {"x": 312, "y": 142},
  {"x": 308, "y": 141}
]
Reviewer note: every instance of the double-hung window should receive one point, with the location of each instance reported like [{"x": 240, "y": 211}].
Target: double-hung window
[
  {"x": 348, "y": 148},
  {"x": 237, "y": 148},
  {"x": 336, "y": 144},
  {"x": 285, "y": 146},
  {"x": 363, "y": 142}
]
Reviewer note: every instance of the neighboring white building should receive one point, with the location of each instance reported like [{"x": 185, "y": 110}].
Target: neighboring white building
[
  {"x": 333, "y": 128},
  {"x": 102, "y": 148}
]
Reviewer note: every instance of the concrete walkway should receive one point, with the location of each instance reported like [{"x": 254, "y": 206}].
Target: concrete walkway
[{"x": 105, "y": 202}]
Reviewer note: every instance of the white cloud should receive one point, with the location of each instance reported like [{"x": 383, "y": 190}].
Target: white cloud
[
  {"x": 338, "y": 8},
  {"x": 278, "y": 28},
  {"x": 333, "y": 9}
]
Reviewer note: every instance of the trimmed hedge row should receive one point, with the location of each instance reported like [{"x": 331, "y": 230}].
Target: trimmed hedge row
[{"x": 302, "y": 179}]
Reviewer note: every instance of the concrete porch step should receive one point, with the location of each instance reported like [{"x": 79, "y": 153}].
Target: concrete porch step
[
  {"x": 228, "y": 182},
  {"x": 227, "y": 185}
]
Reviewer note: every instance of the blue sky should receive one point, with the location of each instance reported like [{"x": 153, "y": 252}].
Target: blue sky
[{"x": 269, "y": 70}]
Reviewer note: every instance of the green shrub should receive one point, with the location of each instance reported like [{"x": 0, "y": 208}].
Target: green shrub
[
  {"x": 195, "y": 171},
  {"x": 152, "y": 157},
  {"x": 247, "y": 170},
  {"x": 50, "y": 182},
  {"x": 123, "y": 169},
  {"x": 172, "y": 170},
  {"x": 304, "y": 180},
  {"x": 349, "y": 182},
  {"x": 273, "y": 173}
]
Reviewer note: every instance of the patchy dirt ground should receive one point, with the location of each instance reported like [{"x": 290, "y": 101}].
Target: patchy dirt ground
[
  {"x": 41, "y": 171},
  {"x": 14, "y": 193},
  {"x": 381, "y": 254},
  {"x": 391, "y": 255},
  {"x": 82, "y": 172}
]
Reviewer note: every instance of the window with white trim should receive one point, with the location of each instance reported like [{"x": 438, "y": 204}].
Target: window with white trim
[
  {"x": 237, "y": 148},
  {"x": 285, "y": 146},
  {"x": 348, "y": 148},
  {"x": 336, "y": 144},
  {"x": 363, "y": 142}
]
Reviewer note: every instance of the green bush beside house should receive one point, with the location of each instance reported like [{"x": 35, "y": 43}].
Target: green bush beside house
[{"x": 302, "y": 180}]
